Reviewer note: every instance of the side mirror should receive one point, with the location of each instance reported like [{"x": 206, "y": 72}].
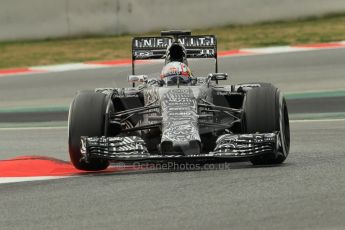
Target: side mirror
[
  {"x": 137, "y": 78},
  {"x": 218, "y": 76}
]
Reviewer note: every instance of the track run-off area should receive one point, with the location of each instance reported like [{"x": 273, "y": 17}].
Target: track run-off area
[{"x": 306, "y": 192}]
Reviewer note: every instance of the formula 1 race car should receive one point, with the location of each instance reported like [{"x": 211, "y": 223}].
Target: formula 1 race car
[{"x": 178, "y": 116}]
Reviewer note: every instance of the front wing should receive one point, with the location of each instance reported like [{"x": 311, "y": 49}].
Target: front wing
[{"x": 132, "y": 148}]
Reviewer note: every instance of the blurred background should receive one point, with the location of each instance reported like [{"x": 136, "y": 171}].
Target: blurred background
[
  {"x": 42, "y": 19},
  {"x": 55, "y": 44},
  {"x": 44, "y": 32}
]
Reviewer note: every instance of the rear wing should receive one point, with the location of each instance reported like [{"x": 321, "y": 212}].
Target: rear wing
[{"x": 200, "y": 46}]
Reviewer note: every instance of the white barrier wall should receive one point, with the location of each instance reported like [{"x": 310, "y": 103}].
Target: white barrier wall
[{"x": 39, "y": 19}]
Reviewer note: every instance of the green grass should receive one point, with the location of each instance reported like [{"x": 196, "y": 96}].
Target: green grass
[{"x": 57, "y": 51}]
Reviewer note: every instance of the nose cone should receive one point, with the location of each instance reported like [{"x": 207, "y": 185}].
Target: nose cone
[
  {"x": 180, "y": 131},
  {"x": 185, "y": 148}
]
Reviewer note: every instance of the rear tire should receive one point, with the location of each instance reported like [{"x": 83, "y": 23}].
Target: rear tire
[
  {"x": 86, "y": 118},
  {"x": 265, "y": 111}
]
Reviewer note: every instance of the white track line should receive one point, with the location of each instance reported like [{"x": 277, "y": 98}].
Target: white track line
[
  {"x": 7, "y": 180},
  {"x": 316, "y": 120},
  {"x": 66, "y": 67},
  {"x": 33, "y": 128},
  {"x": 276, "y": 49}
]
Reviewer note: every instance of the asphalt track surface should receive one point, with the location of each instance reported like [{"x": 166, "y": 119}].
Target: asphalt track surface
[{"x": 306, "y": 192}]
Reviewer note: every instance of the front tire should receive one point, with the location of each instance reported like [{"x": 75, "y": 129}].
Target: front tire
[
  {"x": 86, "y": 118},
  {"x": 265, "y": 111}
]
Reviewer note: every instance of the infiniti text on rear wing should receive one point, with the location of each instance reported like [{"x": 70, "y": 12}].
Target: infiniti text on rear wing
[{"x": 204, "y": 46}]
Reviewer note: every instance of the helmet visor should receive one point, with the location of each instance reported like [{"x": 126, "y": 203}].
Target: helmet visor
[{"x": 174, "y": 79}]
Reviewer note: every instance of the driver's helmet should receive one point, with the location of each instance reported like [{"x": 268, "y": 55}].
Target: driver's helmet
[{"x": 176, "y": 72}]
